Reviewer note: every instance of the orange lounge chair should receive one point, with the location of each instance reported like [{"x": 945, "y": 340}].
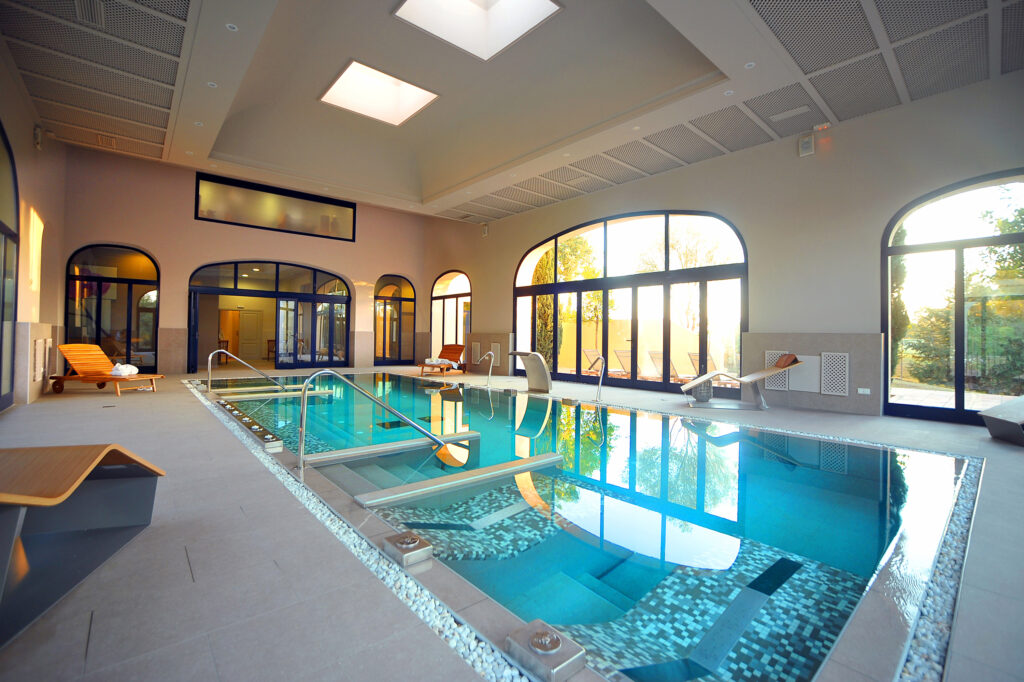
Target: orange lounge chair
[
  {"x": 90, "y": 365},
  {"x": 451, "y": 352}
]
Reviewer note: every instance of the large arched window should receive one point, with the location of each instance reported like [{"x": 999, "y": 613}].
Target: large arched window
[
  {"x": 113, "y": 301},
  {"x": 268, "y": 313},
  {"x": 953, "y": 308},
  {"x": 449, "y": 311},
  {"x": 661, "y": 295},
  {"x": 8, "y": 269},
  {"x": 394, "y": 321}
]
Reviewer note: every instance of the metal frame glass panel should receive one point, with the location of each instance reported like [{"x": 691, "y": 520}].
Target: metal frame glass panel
[
  {"x": 394, "y": 321},
  {"x": 8, "y": 269}
]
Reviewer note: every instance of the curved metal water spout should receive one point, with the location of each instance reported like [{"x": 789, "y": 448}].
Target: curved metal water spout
[
  {"x": 600, "y": 377},
  {"x": 491, "y": 367}
]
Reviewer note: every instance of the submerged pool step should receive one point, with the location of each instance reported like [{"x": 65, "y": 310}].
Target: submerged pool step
[
  {"x": 563, "y": 599},
  {"x": 605, "y": 590},
  {"x": 409, "y": 491},
  {"x": 279, "y": 395},
  {"x": 380, "y": 449}
]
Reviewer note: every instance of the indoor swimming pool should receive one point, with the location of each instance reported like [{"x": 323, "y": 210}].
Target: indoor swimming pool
[{"x": 670, "y": 547}]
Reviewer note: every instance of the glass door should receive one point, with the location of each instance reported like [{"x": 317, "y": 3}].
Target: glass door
[
  {"x": 286, "y": 345},
  {"x": 620, "y": 330},
  {"x": 142, "y": 343},
  {"x": 387, "y": 331}
]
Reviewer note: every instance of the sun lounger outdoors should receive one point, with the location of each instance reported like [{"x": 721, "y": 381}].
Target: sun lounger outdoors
[
  {"x": 448, "y": 359},
  {"x": 89, "y": 364},
  {"x": 786, "y": 362}
]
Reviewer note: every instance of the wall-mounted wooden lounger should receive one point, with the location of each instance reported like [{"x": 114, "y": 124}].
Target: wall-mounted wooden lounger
[{"x": 64, "y": 510}]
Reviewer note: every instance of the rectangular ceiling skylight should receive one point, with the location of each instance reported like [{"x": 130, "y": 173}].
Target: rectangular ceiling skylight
[
  {"x": 375, "y": 94},
  {"x": 480, "y": 27}
]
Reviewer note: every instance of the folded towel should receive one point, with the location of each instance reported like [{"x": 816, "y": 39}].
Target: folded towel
[
  {"x": 124, "y": 370},
  {"x": 438, "y": 362}
]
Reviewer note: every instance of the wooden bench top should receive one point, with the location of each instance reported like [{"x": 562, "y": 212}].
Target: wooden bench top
[{"x": 46, "y": 476}]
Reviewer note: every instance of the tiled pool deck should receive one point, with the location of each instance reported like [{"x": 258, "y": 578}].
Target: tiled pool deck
[{"x": 236, "y": 580}]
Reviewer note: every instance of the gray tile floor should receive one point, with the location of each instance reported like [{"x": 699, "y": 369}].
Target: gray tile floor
[{"x": 236, "y": 580}]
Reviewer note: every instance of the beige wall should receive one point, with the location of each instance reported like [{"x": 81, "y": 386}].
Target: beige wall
[{"x": 813, "y": 226}]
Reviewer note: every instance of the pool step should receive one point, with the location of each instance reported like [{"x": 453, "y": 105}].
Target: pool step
[
  {"x": 408, "y": 474},
  {"x": 381, "y": 449},
  {"x": 379, "y": 476},
  {"x": 348, "y": 480},
  {"x": 634, "y": 579},
  {"x": 561, "y": 599},
  {"x": 605, "y": 590}
]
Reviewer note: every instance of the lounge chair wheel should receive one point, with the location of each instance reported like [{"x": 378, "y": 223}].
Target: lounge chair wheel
[
  {"x": 101, "y": 384},
  {"x": 58, "y": 386}
]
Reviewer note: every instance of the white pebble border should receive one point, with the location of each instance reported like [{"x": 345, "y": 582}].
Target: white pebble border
[
  {"x": 926, "y": 656},
  {"x": 482, "y": 656}
]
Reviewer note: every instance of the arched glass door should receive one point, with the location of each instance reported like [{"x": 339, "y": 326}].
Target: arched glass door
[
  {"x": 394, "y": 321},
  {"x": 449, "y": 311},
  {"x": 954, "y": 302},
  {"x": 8, "y": 269},
  {"x": 112, "y": 301}
]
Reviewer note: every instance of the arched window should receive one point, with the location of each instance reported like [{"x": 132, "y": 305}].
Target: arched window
[
  {"x": 271, "y": 313},
  {"x": 8, "y": 268},
  {"x": 449, "y": 311},
  {"x": 113, "y": 301},
  {"x": 661, "y": 295},
  {"x": 394, "y": 321},
  {"x": 953, "y": 307}
]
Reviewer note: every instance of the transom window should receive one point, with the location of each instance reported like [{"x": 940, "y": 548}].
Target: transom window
[{"x": 660, "y": 295}]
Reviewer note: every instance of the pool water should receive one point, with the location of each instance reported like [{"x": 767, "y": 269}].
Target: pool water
[{"x": 652, "y": 530}]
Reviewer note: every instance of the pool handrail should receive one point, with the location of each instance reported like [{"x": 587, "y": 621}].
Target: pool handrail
[
  {"x": 359, "y": 389},
  {"x": 600, "y": 377},
  {"x": 491, "y": 355},
  {"x": 209, "y": 369}
]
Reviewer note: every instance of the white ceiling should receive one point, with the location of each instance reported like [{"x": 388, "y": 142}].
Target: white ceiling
[{"x": 604, "y": 92}]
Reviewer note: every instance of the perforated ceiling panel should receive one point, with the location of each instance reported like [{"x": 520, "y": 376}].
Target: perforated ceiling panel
[
  {"x": 731, "y": 128},
  {"x": 684, "y": 144},
  {"x": 175, "y": 8},
  {"x": 564, "y": 174},
  {"x": 787, "y": 111},
  {"x": 905, "y": 18},
  {"x": 501, "y": 204},
  {"x": 1013, "y": 38},
  {"x": 50, "y": 111},
  {"x": 35, "y": 60},
  {"x": 643, "y": 156},
  {"x": 79, "y": 136},
  {"x": 548, "y": 188},
  {"x": 122, "y": 21},
  {"x": 588, "y": 183},
  {"x": 857, "y": 88},
  {"x": 818, "y": 33},
  {"x": 524, "y": 197},
  {"x": 33, "y": 28},
  {"x": 454, "y": 215},
  {"x": 948, "y": 59},
  {"x": 486, "y": 211},
  {"x": 604, "y": 167},
  {"x": 65, "y": 93}
]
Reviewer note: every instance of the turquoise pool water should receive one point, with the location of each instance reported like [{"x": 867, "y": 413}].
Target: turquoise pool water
[{"x": 650, "y": 528}]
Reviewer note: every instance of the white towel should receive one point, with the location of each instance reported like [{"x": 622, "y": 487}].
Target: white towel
[
  {"x": 438, "y": 362},
  {"x": 124, "y": 370}
]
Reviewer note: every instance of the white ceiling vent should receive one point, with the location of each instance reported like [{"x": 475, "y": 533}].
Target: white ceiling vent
[
  {"x": 787, "y": 111},
  {"x": 106, "y": 141},
  {"x": 1013, "y": 38},
  {"x": 89, "y": 12}
]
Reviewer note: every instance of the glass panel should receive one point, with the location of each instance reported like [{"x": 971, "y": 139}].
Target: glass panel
[
  {"x": 546, "y": 328},
  {"x": 143, "y": 346},
  {"x": 593, "y": 438},
  {"x": 81, "y": 311},
  {"x": 340, "y": 332},
  {"x": 295, "y": 279},
  {"x": 304, "y": 329},
  {"x": 983, "y": 212},
  {"x": 581, "y": 254},
  {"x": 436, "y": 326},
  {"x": 721, "y": 474},
  {"x": 650, "y": 312},
  {"x": 257, "y": 276},
  {"x": 113, "y": 261},
  {"x": 328, "y": 284},
  {"x": 323, "y": 332},
  {"x": 649, "y": 430},
  {"x": 592, "y": 328},
  {"x": 696, "y": 241},
  {"x": 683, "y": 455},
  {"x": 524, "y": 327},
  {"x": 408, "y": 330},
  {"x": 451, "y": 283},
  {"x": 636, "y": 245},
  {"x": 567, "y": 333},
  {"x": 994, "y": 313},
  {"x": 450, "y": 320},
  {"x": 617, "y": 460},
  {"x": 286, "y": 331},
  {"x": 922, "y": 294},
  {"x": 113, "y": 322},
  {"x": 380, "y": 337},
  {"x": 463, "y": 319},
  {"x": 10, "y": 255},
  {"x": 620, "y": 333},
  {"x": 8, "y": 202},
  {"x": 264, "y": 207},
  {"x": 393, "y": 285},
  {"x": 538, "y": 267},
  {"x": 222, "y": 276},
  {"x": 724, "y": 329},
  {"x": 684, "y": 311}
]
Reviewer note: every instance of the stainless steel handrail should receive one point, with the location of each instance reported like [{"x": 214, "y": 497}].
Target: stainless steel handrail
[
  {"x": 491, "y": 355},
  {"x": 209, "y": 369},
  {"x": 600, "y": 377},
  {"x": 359, "y": 389}
]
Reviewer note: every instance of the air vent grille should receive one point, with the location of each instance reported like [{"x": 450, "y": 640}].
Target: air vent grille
[
  {"x": 604, "y": 167},
  {"x": 731, "y": 128},
  {"x": 106, "y": 141},
  {"x": 89, "y": 12},
  {"x": 783, "y": 100},
  {"x": 71, "y": 95},
  {"x": 945, "y": 60},
  {"x": 776, "y": 382},
  {"x": 548, "y": 188},
  {"x": 477, "y": 209},
  {"x": 818, "y": 33},
  {"x": 642, "y": 156},
  {"x": 1013, "y": 38},
  {"x": 858, "y": 88},
  {"x": 524, "y": 197},
  {"x": 174, "y": 8},
  {"x": 588, "y": 183},
  {"x": 905, "y": 18},
  {"x": 89, "y": 138},
  {"x": 50, "y": 111},
  {"x": 684, "y": 144},
  {"x": 501, "y": 204},
  {"x": 835, "y": 373},
  {"x": 564, "y": 174}
]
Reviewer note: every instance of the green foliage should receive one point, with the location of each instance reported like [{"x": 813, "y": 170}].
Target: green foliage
[
  {"x": 899, "y": 319},
  {"x": 930, "y": 342}
]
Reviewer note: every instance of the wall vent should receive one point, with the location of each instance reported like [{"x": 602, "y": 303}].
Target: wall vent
[
  {"x": 106, "y": 141},
  {"x": 780, "y": 381},
  {"x": 835, "y": 373},
  {"x": 89, "y": 12}
]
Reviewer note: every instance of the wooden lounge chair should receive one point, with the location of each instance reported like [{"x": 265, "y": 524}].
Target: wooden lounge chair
[
  {"x": 451, "y": 352},
  {"x": 89, "y": 364},
  {"x": 786, "y": 362}
]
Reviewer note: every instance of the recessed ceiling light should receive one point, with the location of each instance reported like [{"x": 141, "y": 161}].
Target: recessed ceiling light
[
  {"x": 375, "y": 94},
  {"x": 189, "y": 153},
  {"x": 211, "y": 84},
  {"x": 254, "y": 270},
  {"x": 198, "y": 124},
  {"x": 636, "y": 127},
  {"x": 729, "y": 93},
  {"x": 231, "y": 27},
  {"x": 481, "y": 27},
  {"x": 749, "y": 65},
  {"x": 245, "y": 274}
]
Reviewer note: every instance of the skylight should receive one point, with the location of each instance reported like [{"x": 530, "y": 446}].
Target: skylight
[
  {"x": 375, "y": 94},
  {"x": 480, "y": 27}
]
